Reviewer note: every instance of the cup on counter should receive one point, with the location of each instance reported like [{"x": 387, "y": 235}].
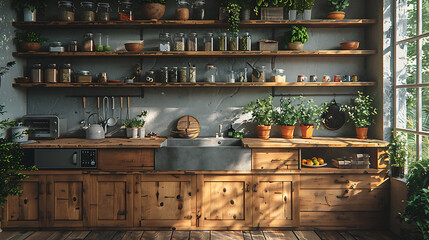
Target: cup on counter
[
  {"x": 301, "y": 78},
  {"x": 338, "y": 78},
  {"x": 348, "y": 78},
  {"x": 326, "y": 78},
  {"x": 313, "y": 78}
]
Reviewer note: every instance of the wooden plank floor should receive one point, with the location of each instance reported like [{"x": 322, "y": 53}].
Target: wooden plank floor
[{"x": 197, "y": 235}]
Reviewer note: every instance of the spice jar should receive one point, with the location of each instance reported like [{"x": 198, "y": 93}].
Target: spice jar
[
  {"x": 231, "y": 76},
  {"x": 66, "y": 11},
  {"x": 233, "y": 42},
  {"x": 164, "y": 42},
  {"x": 192, "y": 42},
  {"x": 51, "y": 73},
  {"x": 179, "y": 42},
  {"x": 223, "y": 42},
  {"x": 103, "y": 12},
  {"x": 87, "y": 11},
  {"x": 278, "y": 76},
  {"x": 37, "y": 73},
  {"x": 124, "y": 10},
  {"x": 208, "y": 42},
  {"x": 211, "y": 73},
  {"x": 164, "y": 75},
  {"x": 199, "y": 10},
  {"x": 88, "y": 43},
  {"x": 261, "y": 78},
  {"x": 183, "y": 74},
  {"x": 182, "y": 11},
  {"x": 83, "y": 77},
  {"x": 172, "y": 74},
  {"x": 65, "y": 73},
  {"x": 72, "y": 47},
  {"x": 193, "y": 74},
  {"x": 246, "y": 42}
]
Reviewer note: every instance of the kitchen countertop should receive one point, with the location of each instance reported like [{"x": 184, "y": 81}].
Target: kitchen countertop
[{"x": 311, "y": 143}]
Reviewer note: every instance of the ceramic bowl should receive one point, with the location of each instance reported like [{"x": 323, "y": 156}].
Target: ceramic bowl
[
  {"x": 349, "y": 45},
  {"x": 134, "y": 46}
]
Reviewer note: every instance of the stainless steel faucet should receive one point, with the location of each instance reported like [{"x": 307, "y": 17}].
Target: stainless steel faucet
[{"x": 220, "y": 133}]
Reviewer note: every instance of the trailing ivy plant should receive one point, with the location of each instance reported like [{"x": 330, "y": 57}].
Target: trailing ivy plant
[
  {"x": 30, "y": 4},
  {"x": 361, "y": 112},
  {"x": 233, "y": 8},
  {"x": 287, "y": 114},
  {"x": 29, "y": 37},
  {"x": 338, "y": 5},
  {"x": 297, "y": 34},
  {"x": 152, "y": 1},
  {"x": 262, "y": 111},
  {"x": 310, "y": 113}
]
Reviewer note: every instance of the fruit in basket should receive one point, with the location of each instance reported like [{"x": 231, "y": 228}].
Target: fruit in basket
[
  {"x": 304, "y": 161},
  {"x": 310, "y": 163},
  {"x": 315, "y": 161},
  {"x": 321, "y": 161}
]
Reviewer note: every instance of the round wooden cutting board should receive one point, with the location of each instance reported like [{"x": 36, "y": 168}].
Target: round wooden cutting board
[{"x": 188, "y": 127}]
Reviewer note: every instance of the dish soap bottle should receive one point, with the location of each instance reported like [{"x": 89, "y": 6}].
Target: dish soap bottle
[{"x": 231, "y": 132}]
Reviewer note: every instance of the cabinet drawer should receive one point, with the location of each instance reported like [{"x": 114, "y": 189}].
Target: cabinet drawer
[
  {"x": 126, "y": 159},
  {"x": 274, "y": 159},
  {"x": 343, "y": 181},
  {"x": 349, "y": 220},
  {"x": 344, "y": 199}
]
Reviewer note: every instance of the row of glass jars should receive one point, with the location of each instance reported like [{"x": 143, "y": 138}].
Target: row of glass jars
[
  {"x": 88, "y": 11},
  {"x": 178, "y": 43}
]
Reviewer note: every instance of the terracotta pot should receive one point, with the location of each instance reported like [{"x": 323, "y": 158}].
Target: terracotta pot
[
  {"x": 263, "y": 131},
  {"x": 30, "y": 46},
  {"x": 296, "y": 45},
  {"x": 287, "y": 131},
  {"x": 307, "y": 131},
  {"x": 153, "y": 10},
  {"x": 182, "y": 14},
  {"x": 362, "y": 133},
  {"x": 336, "y": 15}
]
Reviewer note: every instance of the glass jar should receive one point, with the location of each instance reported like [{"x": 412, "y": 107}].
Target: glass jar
[
  {"x": 106, "y": 44},
  {"x": 208, "y": 42},
  {"x": 246, "y": 42},
  {"x": 124, "y": 10},
  {"x": 211, "y": 73},
  {"x": 56, "y": 47},
  {"x": 83, "y": 77},
  {"x": 233, "y": 42},
  {"x": 88, "y": 42},
  {"x": 260, "y": 78},
  {"x": 164, "y": 42},
  {"x": 223, "y": 42},
  {"x": 37, "y": 73},
  {"x": 192, "y": 42},
  {"x": 164, "y": 75},
  {"x": 193, "y": 74},
  {"x": 103, "y": 12},
  {"x": 99, "y": 43},
  {"x": 231, "y": 76},
  {"x": 73, "y": 46},
  {"x": 278, "y": 76},
  {"x": 182, "y": 11},
  {"x": 87, "y": 11},
  {"x": 179, "y": 42},
  {"x": 198, "y": 11},
  {"x": 150, "y": 76},
  {"x": 172, "y": 74},
  {"x": 65, "y": 73},
  {"x": 51, "y": 73},
  {"x": 66, "y": 11},
  {"x": 183, "y": 74}
]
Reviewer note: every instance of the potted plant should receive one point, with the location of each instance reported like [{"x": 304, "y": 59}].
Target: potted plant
[
  {"x": 246, "y": 6},
  {"x": 29, "y": 41},
  {"x": 309, "y": 116},
  {"x": 131, "y": 126},
  {"x": 272, "y": 9},
  {"x": 141, "y": 122},
  {"x": 293, "y": 8},
  {"x": 297, "y": 37},
  {"x": 361, "y": 113},
  {"x": 29, "y": 8},
  {"x": 397, "y": 154},
  {"x": 153, "y": 9},
  {"x": 305, "y": 6},
  {"x": 337, "y": 9},
  {"x": 286, "y": 117},
  {"x": 262, "y": 113}
]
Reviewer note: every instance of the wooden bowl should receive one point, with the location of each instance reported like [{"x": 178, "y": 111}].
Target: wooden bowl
[
  {"x": 349, "y": 45},
  {"x": 134, "y": 47},
  {"x": 22, "y": 80}
]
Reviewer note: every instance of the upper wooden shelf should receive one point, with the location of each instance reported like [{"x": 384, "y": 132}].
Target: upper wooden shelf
[
  {"x": 304, "y": 53},
  {"x": 319, "y": 23}
]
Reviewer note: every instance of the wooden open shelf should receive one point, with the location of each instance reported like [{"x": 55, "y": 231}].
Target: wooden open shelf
[
  {"x": 304, "y": 53},
  {"x": 196, "y": 85},
  {"x": 319, "y": 23}
]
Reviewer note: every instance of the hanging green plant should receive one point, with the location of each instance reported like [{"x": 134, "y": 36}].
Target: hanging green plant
[
  {"x": 272, "y": 3},
  {"x": 233, "y": 9}
]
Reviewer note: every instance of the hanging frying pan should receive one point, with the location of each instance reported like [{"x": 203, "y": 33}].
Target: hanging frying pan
[{"x": 334, "y": 118}]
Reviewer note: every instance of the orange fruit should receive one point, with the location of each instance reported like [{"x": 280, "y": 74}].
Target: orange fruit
[
  {"x": 321, "y": 161},
  {"x": 310, "y": 163},
  {"x": 304, "y": 161},
  {"x": 317, "y": 164}
]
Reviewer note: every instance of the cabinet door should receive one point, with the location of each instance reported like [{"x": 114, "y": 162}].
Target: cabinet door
[
  {"x": 111, "y": 200},
  {"x": 165, "y": 201},
  {"x": 65, "y": 197},
  {"x": 275, "y": 201},
  {"x": 224, "y": 201},
  {"x": 27, "y": 209}
]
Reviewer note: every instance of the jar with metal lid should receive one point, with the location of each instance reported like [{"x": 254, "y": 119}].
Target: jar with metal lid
[
  {"x": 125, "y": 11},
  {"x": 179, "y": 42},
  {"x": 183, "y": 74},
  {"x": 66, "y": 11},
  {"x": 83, "y": 77},
  {"x": 223, "y": 42},
  {"x": 261, "y": 77},
  {"x": 231, "y": 76},
  {"x": 51, "y": 73},
  {"x": 211, "y": 73},
  {"x": 246, "y": 42},
  {"x": 198, "y": 11},
  {"x": 208, "y": 42},
  {"x": 37, "y": 73},
  {"x": 182, "y": 11},
  {"x": 164, "y": 42},
  {"x": 192, "y": 42},
  {"x": 164, "y": 75},
  {"x": 103, "y": 12},
  {"x": 233, "y": 42},
  {"x": 65, "y": 73},
  {"x": 193, "y": 74},
  {"x": 88, "y": 42},
  {"x": 87, "y": 12},
  {"x": 172, "y": 74},
  {"x": 73, "y": 46},
  {"x": 278, "y": 75},
  {"x": 56, "y": 47}
]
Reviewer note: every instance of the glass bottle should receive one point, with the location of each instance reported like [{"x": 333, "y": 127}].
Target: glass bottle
[
  {"x": 66, "y": 11},
  {"x": 172, "y": 74},
  {"x": 193, "y": 74},
  {"x": 246, "y": 42},
  {"x": 87, "y": 11},
  {"x": 223, "y": 42},
  {"x": 198, "y": 12},
  {"x": 103, "y": 12},
  {"x": 192, "y": 42},
  {"x": 88, "y": 43},
  {"x": 164, "y": 42},
  {"x": 164, "y": 74},
  {"x": 99, "y": 43},
  {"x": 73, "y": 46},
  {"x": 231, "y": 76},
  {"x": 107, "y": 47},
  {"x": 183, "y": 74},
  {"x": 37, "y": 73},
  {"x": 179, "y": 42},
  {"x": 208, "y": 42},
  {"x": 124, "y": 10},
  {"x": 65, "y": 73},
  {"x": 182, "y": 11},
  {"x": 233, "y": 42},
  {"x": 211, "y": 73}
]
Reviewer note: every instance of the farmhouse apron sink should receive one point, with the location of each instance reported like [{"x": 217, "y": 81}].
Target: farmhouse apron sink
[{"x": 202, "y": 154}]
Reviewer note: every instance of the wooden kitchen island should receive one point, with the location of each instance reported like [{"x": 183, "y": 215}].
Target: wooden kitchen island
[{"x": 125, "y": 191}]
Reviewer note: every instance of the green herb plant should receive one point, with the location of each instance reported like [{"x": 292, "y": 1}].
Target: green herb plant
[
  {"x": 29, "y": 37},
  {"x": 397, "y": 153},
  {"x": 151, "y": 1},
  {"x": 338, "y": 5},
  {"x": 233, "y": 8},
  {"x": 287, "y": 114},
  {"x": 297, "y": 34},
  {"x": 132, "y": 123},
  {"x": 310, "y": 113},
  {"x": 361, "y": 112},
  {"x": 30, "y": 4},
  {"x": 271, "y": 3},
  {"x": 304, "y": 5},
  {"x": 262, "y": 111}
]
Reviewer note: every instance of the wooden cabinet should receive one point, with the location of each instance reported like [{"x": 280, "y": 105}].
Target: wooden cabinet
[
  {"x": 275, "y": 159},
  {"x": 165, "y": 200},
  {"x": 275, "y": 201},
  {"x": 337, "y": 181},
  {"x": 224, "y": 202},
  {"x": 126, "y": 159}
]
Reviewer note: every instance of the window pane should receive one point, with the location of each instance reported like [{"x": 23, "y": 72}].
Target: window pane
[
  {"x": 425, "y": 13},
  {"x": 425, "y": 109},
  {"x": 411, "y": 146},
  {"x": 425, "y": 147},
  {"x": 425, "y": 59},
  {"x": 406, "y": 63},
  {"x": 406, "y": 108},
  {"x": 406, "y": 19}
]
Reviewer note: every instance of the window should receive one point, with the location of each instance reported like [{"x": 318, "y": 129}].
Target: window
[{"x": 412, "y": 75}]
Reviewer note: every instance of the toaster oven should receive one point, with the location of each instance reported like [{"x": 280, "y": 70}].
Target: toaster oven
[{"x": 45, "y": 126}]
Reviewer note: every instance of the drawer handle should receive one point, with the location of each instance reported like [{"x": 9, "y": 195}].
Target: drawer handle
[
  {"x": 345, "y": 197},
  {"x": 338, "y": 181}
]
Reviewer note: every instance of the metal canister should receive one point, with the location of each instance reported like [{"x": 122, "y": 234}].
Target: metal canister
[
  {"x": 301, "y": 78},
  {"x": 37, "y": 73},
  {"x": 65, "y": 73},
  {"x": 338, "y": 78},
  {"x": 51, "y": 73}
]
